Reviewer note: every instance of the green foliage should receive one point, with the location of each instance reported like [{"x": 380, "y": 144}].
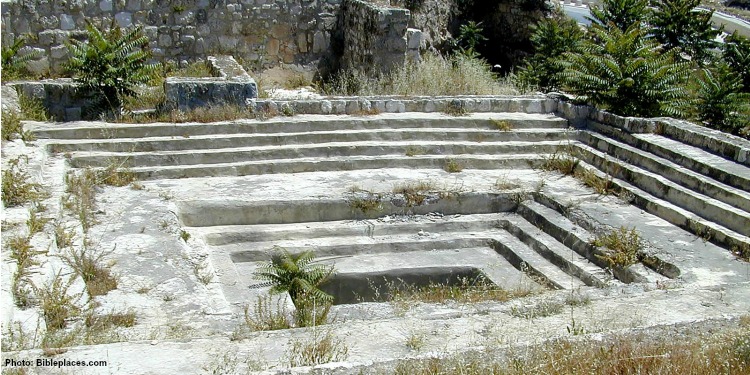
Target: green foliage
[
  {"x": 297, "y": 275},
  {"x": 469, "y": 38},
  {"x": 679, "y": 24},
  {"x": 621, "y": 14},
  {"x": 16, "y": 187},
  {"x": 624, "y": 72},
  {"x": 109, "y": 65},
  {"x": 551, "y": 37},
  {"x": 624, "y": 246},
  {"x": 736, "y": 54},
  {"x": 721, "y": 104},
  {"x": 14, "y": 65}
]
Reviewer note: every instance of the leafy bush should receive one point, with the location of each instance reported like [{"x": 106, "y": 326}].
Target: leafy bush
[
  {"x": 736, "y": 53},
  {"x": 679, "y": 24},
  {"x": 109, "y": 65},
  {"x": 721, "y": 104},
  {"x": 626, "y": 73},
  {"x": 14, "y": 65},
  {"x": 297, "y": 275},
  {"x": 621, "y": 14},
  {"x": 551, "y": 37}
]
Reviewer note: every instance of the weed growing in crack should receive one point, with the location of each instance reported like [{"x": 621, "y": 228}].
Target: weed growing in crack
[
  {"x": 564, "y": 163},
  {"x": 623, "y": 244},
  {"x": 602, "y": 186},
  {"x": 57, "y": 303},
  {"x": 16, "y": 188},
  {"x": 89, "y": 266},
  {"x": 502, "y": 125},
  {"x": 184, "y": 235},
  {"x": 23, "y": 253},
  {"x": 268, "y": 314},
  {"x": 503, "y": 183},
  {"x": 36, "y": 223},
  {"x": 64, "y": 236},
  {"x": 415, "y": 150},
  {"x": 366, "y": 202},
  {"x": 541, "y": 309},
  {"x": 414, "y": 193},
  {"x": 577, "y": 298},
  {"x": 322, "y": 347},
  {"x": 12, "y": 127},
  {"x": 742, "y": 251},
  {"x": 452, "y": 166},
  {"x": 415, "y": 341},
  {"x": 107, "y": 321}
]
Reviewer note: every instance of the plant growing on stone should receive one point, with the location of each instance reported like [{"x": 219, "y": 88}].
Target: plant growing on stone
[
  {"x": 109, "y": 65},
  {"x": 298, "y": 275},
  {"x": 13, "y": 63}
]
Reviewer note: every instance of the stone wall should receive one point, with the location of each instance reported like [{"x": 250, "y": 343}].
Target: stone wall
[
  {"x": 374, "y": 36},
  {"x": 262, "y": 32}
]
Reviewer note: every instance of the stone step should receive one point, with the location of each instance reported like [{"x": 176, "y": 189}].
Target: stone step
[
  {"x": 296, "y": 124},
  {"x": 224, "y": 141},
  {"x": 523, "y": 160},
  {"x": 384, "y": 226},
  {"x": 685, "y": 219},
  {"x": 574, "y": 237},
  {"x": 674, "y": 172},
  {"x": 529, "y": 261},
  {"x": 558, "y": 254},
  {"x": 321, "y": 152},
  {"x": 695, "y": 159},
  {"x": 703, "y": 206}
]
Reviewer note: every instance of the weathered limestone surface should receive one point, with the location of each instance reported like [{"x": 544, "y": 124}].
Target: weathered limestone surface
[{"x": 374, "y": 37}]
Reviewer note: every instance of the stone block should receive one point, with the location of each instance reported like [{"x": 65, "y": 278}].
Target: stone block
[
  {"x": 73, "y": 114},
  {"x": 58, "y": 52},
  {"x": 124, "y": 19},
  {"x": 67, "y": 22},
  {"x": 105, "y": 5}
]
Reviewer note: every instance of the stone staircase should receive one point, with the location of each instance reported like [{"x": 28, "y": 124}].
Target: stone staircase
[{"x": 514, "y": 238}]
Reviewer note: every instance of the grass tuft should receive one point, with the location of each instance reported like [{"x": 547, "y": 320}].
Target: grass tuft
[
  {"x": 623, "y": 244},
  {"x": 366, "y": 202},
  {"x": 502, "y": 125},
  {"x": 97, "y": 277},
  {"x": 322, "y": 347},
  {"x": 16, "y": 188},
  {"x": 57, "y": 303},
  {"x": 452, "y": 166}
]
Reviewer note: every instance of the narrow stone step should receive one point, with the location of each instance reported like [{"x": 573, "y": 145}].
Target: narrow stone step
[
  {"x": 527, "y": 260},
  {"x": 524, "y": 160},
  {"x": 355, "y": 245},
  {"x": 388, "y": 226},
  {"x": 695, "y": 181},
  {"x": 224, "y": 141},
  {"x": 566, "y": 258},
  {"x": 691, "y": 157},
  {"x": 322, "y": 151},
  {"x": 306, "y": 123},
  {"x": 703, "y": 206}
]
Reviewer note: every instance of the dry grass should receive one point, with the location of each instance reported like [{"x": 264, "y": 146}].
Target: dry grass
[
  {"x": 23, "y": 254},
  {"x": 723, "y": 352},
  {"x": 57, "y": 303},
  {"x": 12, "y": 127},
  {"x": 202, "y": 115},
  {"x": 602, "y": 185},
  {"x": 267, "y": 314},
  {"x": 415, "y": 150},
  {"x": 433, "y": 76},
  {"x": 16, "y": 186},
  {"x": 467, "y": 291},
  {"x": 104, "y": 322},
  {"x": 502, "y": 125},
  {"x": 90, "y": 267},
  {"x": 623, "y": 244},
  {"x": 81, "y": 199},
  {"x": 452, "y": 166},
  {"x": 322, "y": 347},
  {"x": 366, "y": 202},
  {"x": 541, "y": 309},
  {"x": 414, "y": 192},
  {"x": 32, "y": 109},
  {"x": 564, "y": 163}
]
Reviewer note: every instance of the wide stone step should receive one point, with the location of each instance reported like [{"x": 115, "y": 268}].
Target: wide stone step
[
  {"x": 703, "y": 206},
  {"x": 685, "y": 219},
  {"x": 695, "y": 181},
  {"x": 306, "y": 123},
  {"x": 321, "y": 151},
  {"x": 523, "y": 160},
  {"x": 695, "y": 159},
  {"x": 225, "y": 141}
]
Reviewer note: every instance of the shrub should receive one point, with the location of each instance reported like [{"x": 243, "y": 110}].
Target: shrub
[
  {"x": 551, "y": 37},
  {"x": 620, "y": 14},
  {"x": 736, "y": 53},
  {"x": 109, "y": 65},
  {"x": 13, "y": 64},
  {"x": 626, "y": 73},
  {"x": 678, "y": 24},
  {"x": 720, "y": 102}
]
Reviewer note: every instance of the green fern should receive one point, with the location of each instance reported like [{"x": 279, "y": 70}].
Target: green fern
[
  {"x": 109, "y": 65},
  {"x": 626, "y": 73},
  {"x": 13, "y": 64},
  {"x": 297, "y": 275}
]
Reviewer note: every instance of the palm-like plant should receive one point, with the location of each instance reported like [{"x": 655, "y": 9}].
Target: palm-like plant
[
  {"x": 619, "y": 13},
  {"x": 297, "y": 275},
  {"x": 721, "y": 104},
  {"x": 110, "y": 64},
  {"x": 14, "y": 64},
  {"x": 679, "y": 24},
  {"x": 625, "y": 73},
  {"x": 736, "y": 53}
]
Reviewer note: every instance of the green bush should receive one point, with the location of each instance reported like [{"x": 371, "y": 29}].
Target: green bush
[
  {"x": 626, "y": 73},
  {"x": 720, "y": 102},
  {"x": 679, "y": 24},
  {"x": 109, "y": 65},
  {"x": 13, "y": 64},
  {"x": 551, "y": 37},
  {"x": 736, "y": 53},
  {"x": 621, "y": 14}
]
